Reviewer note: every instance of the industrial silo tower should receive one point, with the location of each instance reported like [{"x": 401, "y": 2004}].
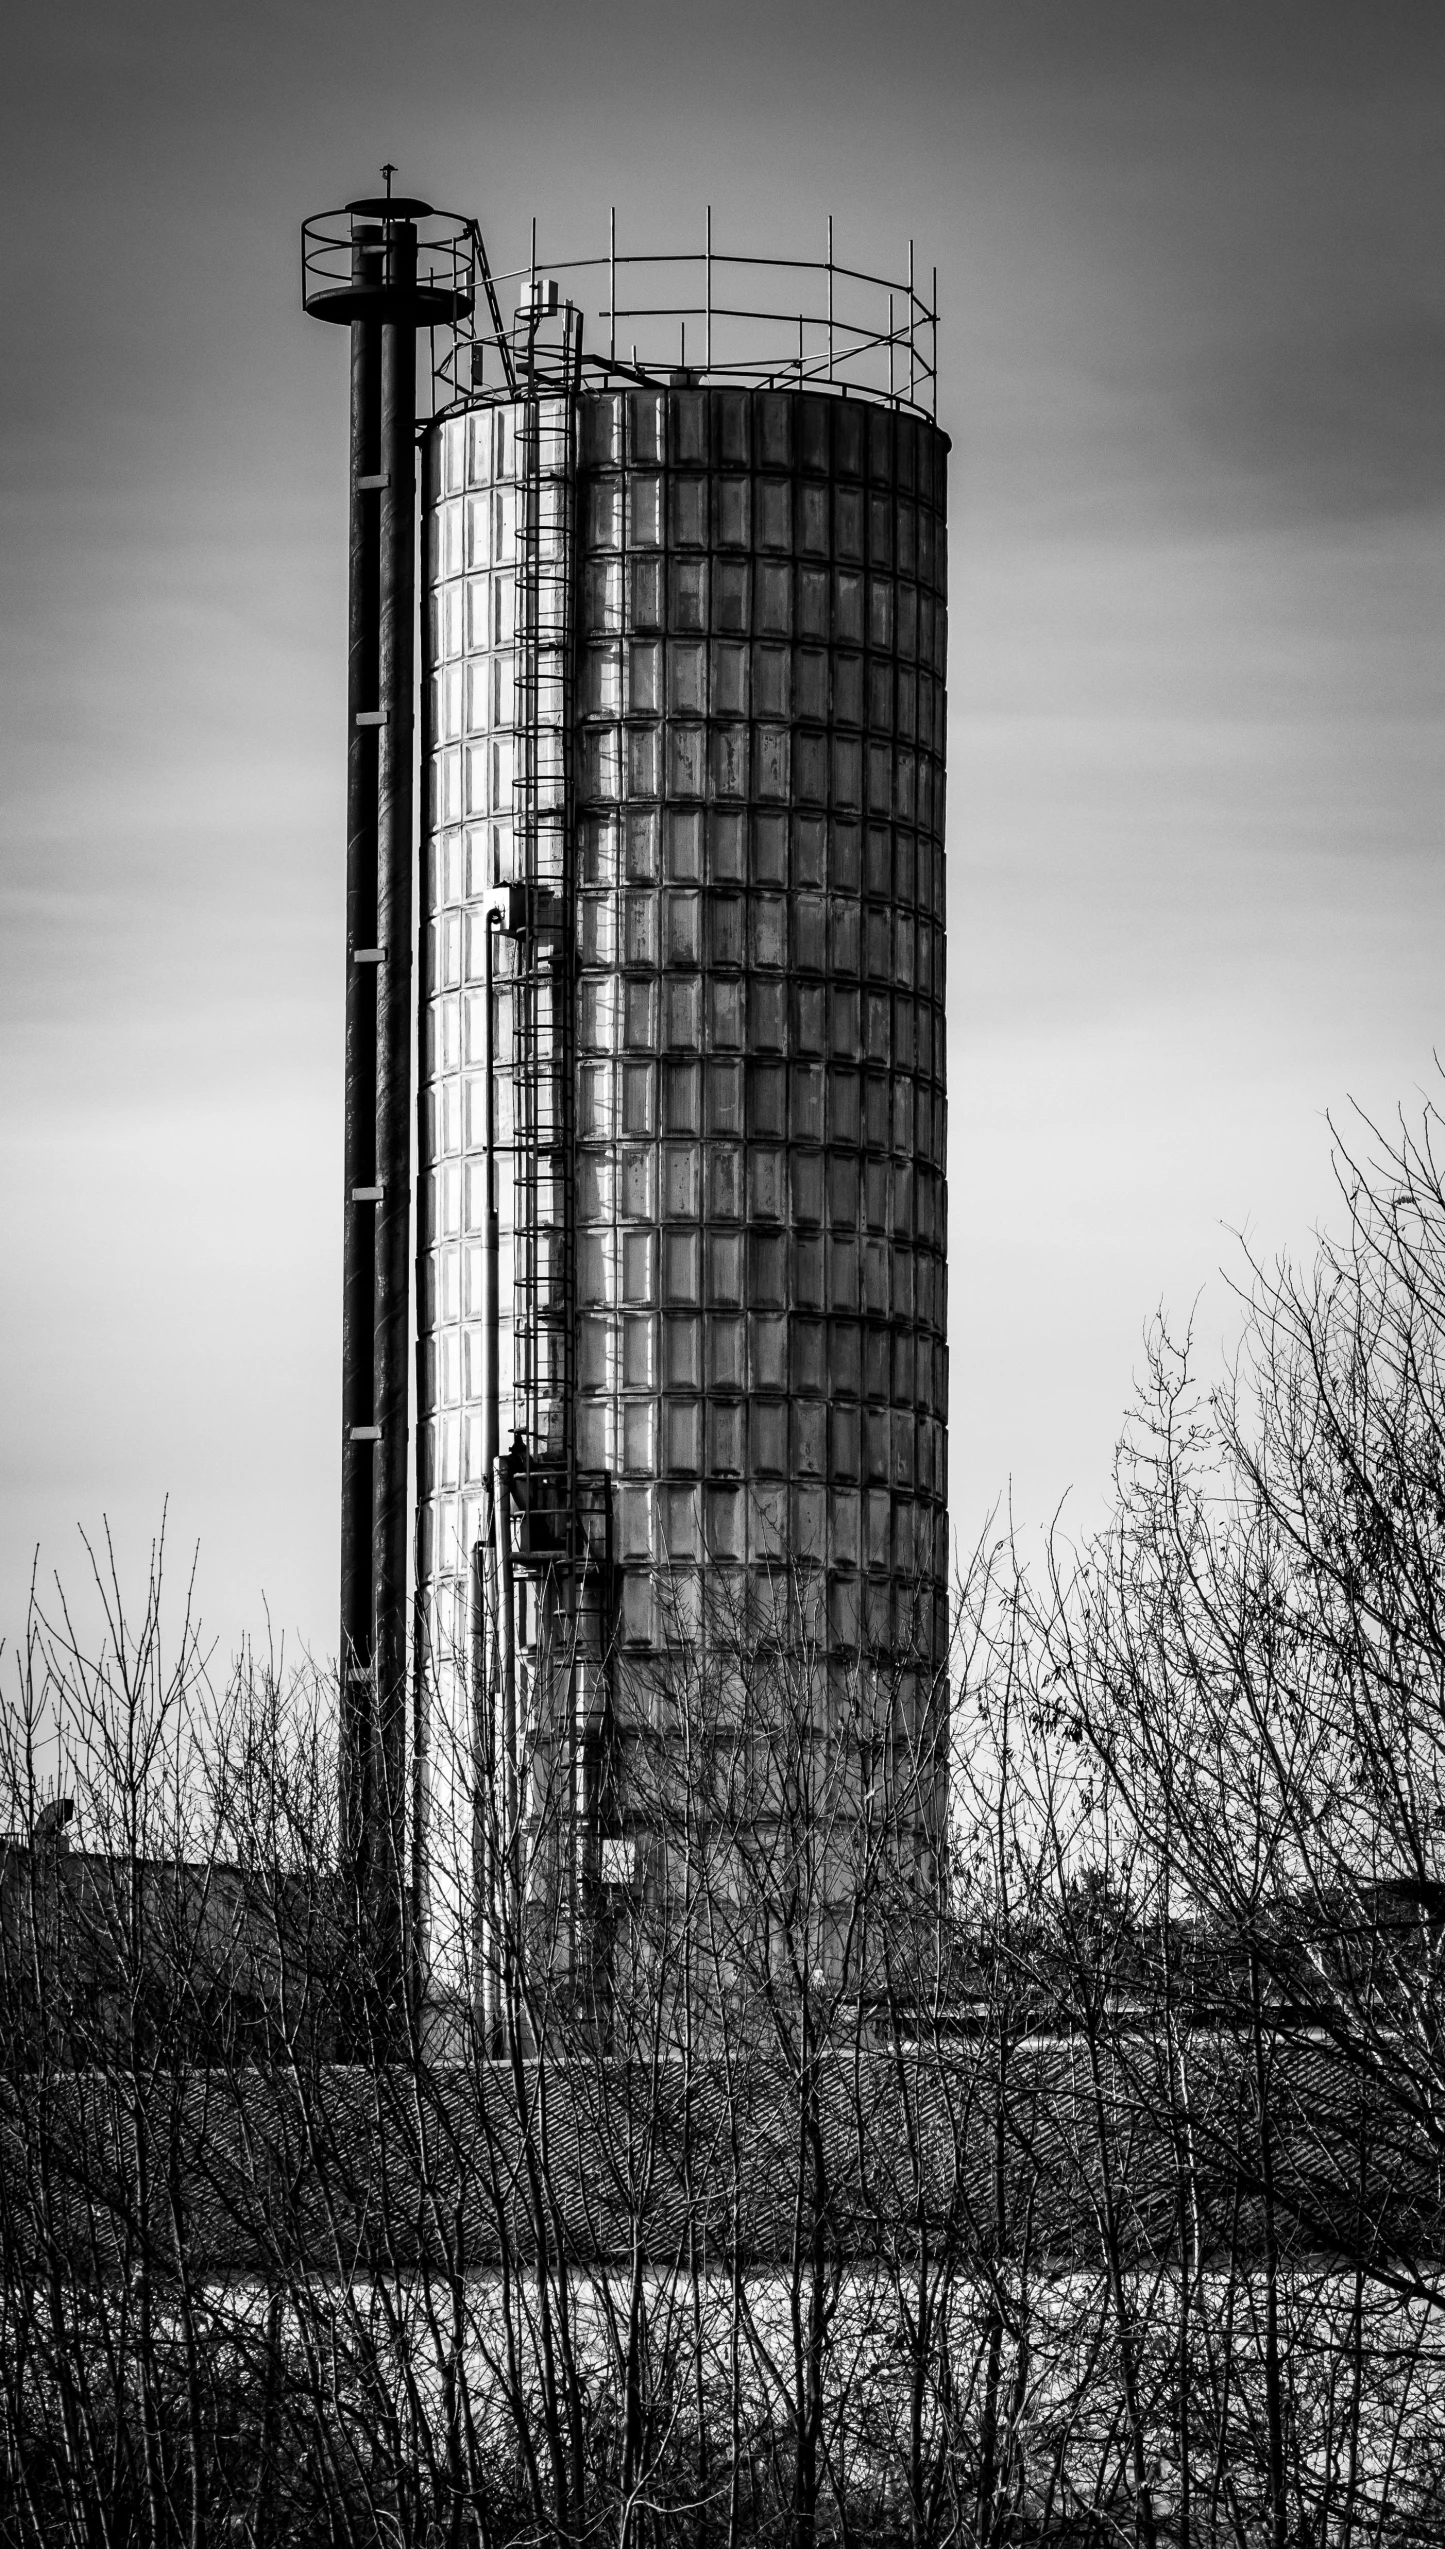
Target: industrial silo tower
[{"x": 679, "y": 994}]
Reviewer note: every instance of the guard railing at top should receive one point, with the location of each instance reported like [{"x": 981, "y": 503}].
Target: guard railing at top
[
  {"x": 356, "y": 264},
  {"x": 703, "y": 315}
]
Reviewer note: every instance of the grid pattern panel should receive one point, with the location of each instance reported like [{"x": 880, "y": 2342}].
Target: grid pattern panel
[
  {"x": 468, "y": 750},
  {"x": 760, "y": 1204}
]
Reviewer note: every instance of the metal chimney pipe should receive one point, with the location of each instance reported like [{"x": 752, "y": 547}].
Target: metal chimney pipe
[
  {"x": 358, "y": 1243},
  {"x": 360, "y": 270},
  {"x": 395, "y": 795}
]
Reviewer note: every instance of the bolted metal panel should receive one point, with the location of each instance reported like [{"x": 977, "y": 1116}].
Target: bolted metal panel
[
  {"x": 467, "y": 1217},
  {"x": 469, "y": 671},
  {"x": 760, "y": 1236}
]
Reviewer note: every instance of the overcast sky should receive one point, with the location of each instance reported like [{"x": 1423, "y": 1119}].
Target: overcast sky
[{"x": 1192, "y": 268}]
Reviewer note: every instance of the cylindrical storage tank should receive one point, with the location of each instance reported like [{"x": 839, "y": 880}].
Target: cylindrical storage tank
[{"x": 747, "y": 740}]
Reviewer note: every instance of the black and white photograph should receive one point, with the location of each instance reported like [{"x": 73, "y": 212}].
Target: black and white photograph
[{"x": 722, "y": 1340}]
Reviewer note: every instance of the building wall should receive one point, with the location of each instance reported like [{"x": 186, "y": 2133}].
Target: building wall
[
  {"x": 469, "y": 567},
  {"x": 758, "y": 1051},
  {"x": 469, "y": 525}
]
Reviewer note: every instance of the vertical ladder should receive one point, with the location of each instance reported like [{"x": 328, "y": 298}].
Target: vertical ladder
[{"x": 543, "y": 1331}]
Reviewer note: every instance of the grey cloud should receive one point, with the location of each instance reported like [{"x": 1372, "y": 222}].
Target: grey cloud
[{"x": 1343, "y": 422}]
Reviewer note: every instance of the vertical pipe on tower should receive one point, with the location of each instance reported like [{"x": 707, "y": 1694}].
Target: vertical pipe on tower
[
  {"x": 486, "y": 1651},
  {"x": 506, "y": 1794},
  {"x": 491, "y": 1229}
]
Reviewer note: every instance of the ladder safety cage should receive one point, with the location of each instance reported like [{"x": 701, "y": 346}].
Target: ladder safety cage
[
  {"x": 547, "y": 368},
  {"x": 561, "y": 1635}
]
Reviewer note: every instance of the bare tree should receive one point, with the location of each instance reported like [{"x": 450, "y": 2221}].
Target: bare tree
[
  {"x": 1252, "y": 1656},
  {"x": 870, "y": 2102}
]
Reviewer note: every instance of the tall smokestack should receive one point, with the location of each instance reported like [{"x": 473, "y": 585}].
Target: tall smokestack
[{"x": 361, "y": 271}]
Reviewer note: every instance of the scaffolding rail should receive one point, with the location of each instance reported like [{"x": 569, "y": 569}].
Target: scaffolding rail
[{"x": 707, "y": 315}]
